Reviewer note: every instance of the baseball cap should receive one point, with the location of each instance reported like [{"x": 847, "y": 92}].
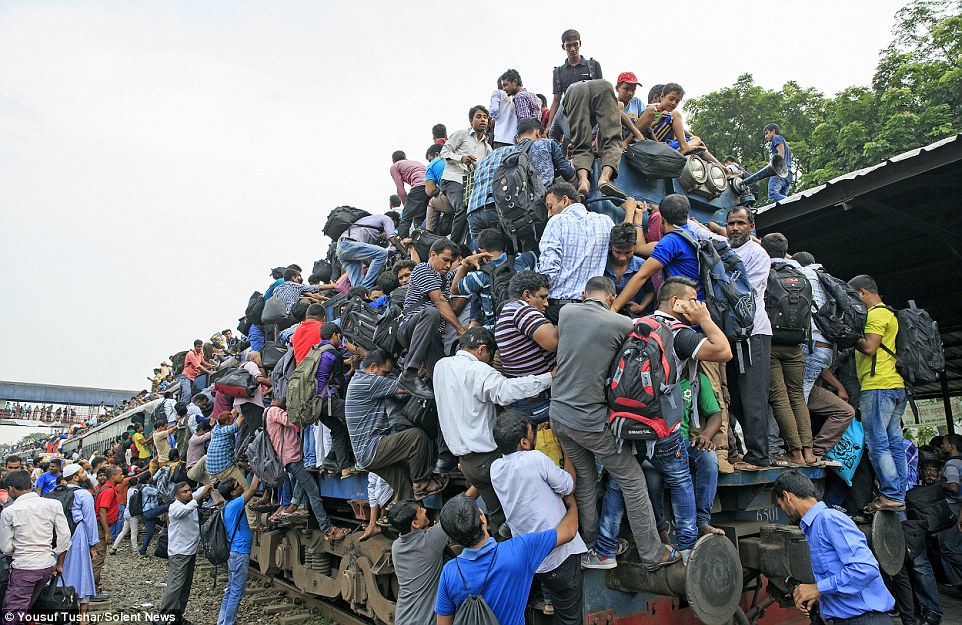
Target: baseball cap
[{"x": 627, "y": 77}]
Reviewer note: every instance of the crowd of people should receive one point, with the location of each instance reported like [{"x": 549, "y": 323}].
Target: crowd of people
[{"x": 507, "y": 363}]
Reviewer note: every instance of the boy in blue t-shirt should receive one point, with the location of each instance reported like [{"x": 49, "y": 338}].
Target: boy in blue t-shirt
[
  {"x": 240, "y": 537},
  {"x": 778, "y": 187}
]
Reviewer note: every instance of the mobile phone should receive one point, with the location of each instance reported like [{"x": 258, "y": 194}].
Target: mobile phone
[{"x": 678, "y": 307}]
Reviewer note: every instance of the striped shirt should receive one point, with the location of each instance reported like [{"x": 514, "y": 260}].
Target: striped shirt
[
  {"x": 220, "y": 451},
  {"x": 574, "y": 248},
  {"x": 366, "y": 416},
  {"x": 520, "y": 353},
  {"x": 425, "y": 279}
]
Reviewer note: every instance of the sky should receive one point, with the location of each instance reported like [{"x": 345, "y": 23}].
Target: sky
[{"x": 158, "y": 158}]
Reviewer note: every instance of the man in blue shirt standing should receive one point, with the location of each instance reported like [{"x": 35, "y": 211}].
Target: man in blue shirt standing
[
  {"x": 240, "y": 538},
  {"x": 848, "y": 585},
  {"x": 778, "y": 187},
  {"x": 505, "y": 570},
  {"x": 48, "y": 481}
]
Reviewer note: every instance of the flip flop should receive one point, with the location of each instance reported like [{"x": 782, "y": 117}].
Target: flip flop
[
  {"x": 435, "y": 485},
  {"x": 336, "y": 533},
  {"x": 612, "y": 191},
  {"x": 877, "y": 506},
  {"x": 741, "y": 465}
]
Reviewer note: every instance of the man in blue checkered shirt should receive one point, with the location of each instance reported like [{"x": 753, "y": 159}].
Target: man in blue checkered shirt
[{"x": 220, "y": 463}]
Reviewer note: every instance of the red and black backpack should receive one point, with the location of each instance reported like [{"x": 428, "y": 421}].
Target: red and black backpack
[{"x": 644, "y": 398}]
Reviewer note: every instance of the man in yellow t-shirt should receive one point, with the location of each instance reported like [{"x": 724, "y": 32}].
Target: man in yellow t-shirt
[
  {"x": 883, "y": 397},
  {"x": 142, "y": 452}
]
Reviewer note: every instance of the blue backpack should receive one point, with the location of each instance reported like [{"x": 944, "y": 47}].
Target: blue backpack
[{"x": 724, "y": 280}]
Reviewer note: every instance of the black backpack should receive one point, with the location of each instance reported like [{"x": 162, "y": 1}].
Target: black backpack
[
  {"x": 841, "y": 319},
  {"x": 644, "y": 398},
  {"x": 422, "y": 241},
  {"x": 359, "y": 323},
  {"x": 64, "y": 494},
  {"x": 255, "y": 307},
  {"x": 158, "y": 412},
  {"x": 519, "y": 200},
  {"x": 342, "y": 218},
  {"x": 919, "y": 355},
  {"x": 724, "y": 281},
  {"x": 788, "y": 301},
  {"x": 654, "y": 159},
  {"x": 135, "y": 502},
  {"x": 322, "y": 270},
  {"x": 474, "y": 610},
  {"x": 385, "y": 336},
  {"x": 499, "y": 277},
  {"x": 927, "y": 505},
  {"x": 213, "y": 536}
]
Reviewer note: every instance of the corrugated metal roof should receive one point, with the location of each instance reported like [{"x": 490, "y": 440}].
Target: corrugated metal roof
[{"x": 858, "y": 173}]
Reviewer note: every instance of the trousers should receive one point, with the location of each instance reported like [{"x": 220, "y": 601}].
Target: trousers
[
  {"x": 564, "y": 585},
  {"x": 587, "y": 104},
  {"x": 419, "y": 334},
  {"x": 402, "y": 458},
  {"x": 415, "y": 210},
  {"x": 477, "y": 469},
  {"x": 787, "y": 397},
  {"x": 180, "y": 577},
  {"x": 22, "y": 591},
  {"x": 834, "y": 416},
  {"x": 749, "y": 395}
]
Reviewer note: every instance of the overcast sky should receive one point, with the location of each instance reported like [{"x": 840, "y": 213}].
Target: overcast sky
[{"x": 157, "y": 158}]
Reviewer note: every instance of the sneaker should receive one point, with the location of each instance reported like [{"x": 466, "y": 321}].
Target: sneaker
[{"x": 592, "y": 560}]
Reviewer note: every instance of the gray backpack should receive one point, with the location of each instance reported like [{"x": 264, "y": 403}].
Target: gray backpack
[
  {"x": 475, "y": 610},
  {"x": 264, "y": 461}
]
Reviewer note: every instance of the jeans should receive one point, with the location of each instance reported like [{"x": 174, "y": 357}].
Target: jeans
[
  {"x": 119, "y": 525},
  {"x": 352, "y": 256},
  {"x": 778, "y": 188},
  {"x": 537, "y": 410},
  {"x": 670, "y": 459},
  {"x": 482, "y": 219},
  {"x": 924, "y": 585},
  {"x": 256, "y": 337},
  {"x": 583, "y": 448},
  {"x": 150, "y": 518},
  {"x": 950, "y": 542},
  {"x": 882, "y": 419},
  {"x": 185, "y": 387},
  {"x": 817, "y": 359},
  {"x": 310, "y": 449},
  {"x": 237, "y": 566},
  {"x": 309, "y": 483},
  {"x": 564, "y": 585}
]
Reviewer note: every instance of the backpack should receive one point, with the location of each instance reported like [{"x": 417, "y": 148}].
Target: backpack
[
  {"x": 275, "y": 310},
  {"x": 341, "y": 219},
  {"x": 927, "y": 505},
  {"x": 255, "y": 307},
  {"x": 385, "y": 335},
  {"x": 164, "y": 485},
  {"x": 177, "y": 362},
  {"x": 519, "y": 200},
  {"x": 333, "y": 306},
  {"x": 303, "y": 404},
  {"x": 213, "y": 536},
  {"x": 644, "y": 398},
  {"x": 65, "y": 495},
  {"x": 919, "y": 355},
  {"x": 264, "y": 461},
  {"x": 272, "y": 354},
  {"x": 359, "y": 323},
  {"x": 158, "y": 412},
  {"x": 724, "y": 281},
  {"x": 654, "y": 159},
  {"x": 594, "y": 71},
  {"x": 237, "y": 382},
  {"x": 841, "y": 319},
  {"x": 422, "y": 240},
  {"x": 281, "y": 374},
  {"x": 788, "y": 301},
  {"x": 474, "y": 610},
  {"x": 499, "y": 277},
  {"x": 322, "y": 270}
]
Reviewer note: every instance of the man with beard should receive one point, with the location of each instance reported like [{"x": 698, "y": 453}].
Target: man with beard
[
  {"x": 78, "y": 569},
  {"x": 848, "y": 585}
]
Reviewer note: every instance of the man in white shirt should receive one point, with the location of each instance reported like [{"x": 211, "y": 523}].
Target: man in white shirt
[
  {"x": 530, "y": 486},
  {"x": 460, "y": 152},
  {"x": 27, "y": 528},
  {"x": 468, "y": 391},
  {"x": 183, "y": 537}
]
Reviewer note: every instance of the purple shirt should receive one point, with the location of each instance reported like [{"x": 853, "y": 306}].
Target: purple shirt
[
  {"x": 325, "y": 369},
  {"x": 410, "y": 172},
  {"x": 526, "y": 104}
]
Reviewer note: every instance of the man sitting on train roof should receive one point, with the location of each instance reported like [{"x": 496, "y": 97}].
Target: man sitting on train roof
[{"x": 666, "y": 124}]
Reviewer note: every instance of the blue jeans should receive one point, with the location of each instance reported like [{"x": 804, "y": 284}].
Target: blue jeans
[
  {"x": 237, "y": 566},
  {"x": 704, "y": 469},
  {"x": 537, "y": 411},
  {"x": 352, "y": 256},
  {"x": 817, "y": 359},
  {"x": 924, "y": 585},
  {"x": 308, "y": 482},
  {"x": 882, "y": 419},
  {"x": 150, "y": 516},
  {"x": 482, "y": 219},
  {"x": 671, "y": 462},
  {"x": 310, "y": 450},
  {"x": 256, "y": 337},
  {"x": 119, "y": 525},
  {"x": 185, "y": 387},
  {"x": 778, "y": 188}
]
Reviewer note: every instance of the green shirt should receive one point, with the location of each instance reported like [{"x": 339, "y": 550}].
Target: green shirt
[{"x": 707, "y": 402}]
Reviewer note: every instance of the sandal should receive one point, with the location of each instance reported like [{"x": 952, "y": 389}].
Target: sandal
[
  {"x": 785, "y": 463},
  {"x": 434, "y": 485},
  {"x": 741, "y": 465},
  {"x": 671, "y": 556},
  {"x": 611, "y": 190},
  {"x": 623, "y": 546},
  {"x": 878, "y": 505},
  {"x": 336, "y": 533}
]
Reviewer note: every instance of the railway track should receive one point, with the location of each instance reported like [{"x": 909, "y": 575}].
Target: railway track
[{"x": 292, "y": 606}]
